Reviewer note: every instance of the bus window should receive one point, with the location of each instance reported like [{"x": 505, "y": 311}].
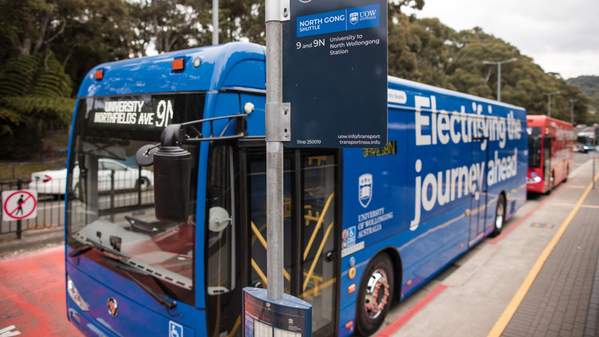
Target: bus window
[
  {"x": 220, "y": 222},
  {"x": 534, "y": 147},
  {"x": 319, "y": 282},
  {"x": 111, "y": 199},
  {"x": 257, "y": 217}
]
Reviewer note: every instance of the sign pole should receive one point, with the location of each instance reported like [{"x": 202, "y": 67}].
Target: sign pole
[
  {"x": 276, "y": 12},
  {"x": 19, "y": 222},
  {"x": 215, "y": 22}
]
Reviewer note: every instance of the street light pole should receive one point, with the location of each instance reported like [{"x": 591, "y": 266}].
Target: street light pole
[
  {"x": 572, "y": 104},
  {"x": 215, "y": 23},
  {"x": 549, "y": 95},
  {"x": 499, "y": 64}
]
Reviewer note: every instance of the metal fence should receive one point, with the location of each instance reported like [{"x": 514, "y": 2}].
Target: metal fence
[
  {"x": 114, "y": 195},
  {"x": 50, "y": 211}
]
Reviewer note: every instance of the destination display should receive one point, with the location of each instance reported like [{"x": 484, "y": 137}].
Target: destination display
[
  {"x": 335, "y": 73},
  {"x": 145, "y": 115},
  {"x": 146, "y": 111}
]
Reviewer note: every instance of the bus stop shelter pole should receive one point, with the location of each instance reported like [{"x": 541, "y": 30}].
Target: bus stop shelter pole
[{"x": 274, "y": 146}]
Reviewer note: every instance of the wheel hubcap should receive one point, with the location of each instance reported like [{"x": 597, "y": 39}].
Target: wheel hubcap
[
  {"x": 377, "y": 294},
  {"x": 499, "y": 219}
]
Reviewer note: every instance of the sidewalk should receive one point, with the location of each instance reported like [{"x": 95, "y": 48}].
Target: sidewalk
[
  {"x": 472, "y": 296},
  {"x": 563, "y": 299},
  {"x": 10, "y": 246}
]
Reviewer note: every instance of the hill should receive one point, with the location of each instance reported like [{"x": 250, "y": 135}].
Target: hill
[{"x": 589, "y": 85}]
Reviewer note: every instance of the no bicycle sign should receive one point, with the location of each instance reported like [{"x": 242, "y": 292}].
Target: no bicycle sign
[{"x": 19, "y": 205}]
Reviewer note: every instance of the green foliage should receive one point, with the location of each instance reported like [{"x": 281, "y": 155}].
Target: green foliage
[
  {"x": 17, "y": 75},
  {"x": 589, "y": 85},
  {"x": 425, "y": 50},
  {"x": 34, "y": 97}
]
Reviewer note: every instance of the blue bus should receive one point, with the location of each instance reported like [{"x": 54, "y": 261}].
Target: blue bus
[{"x": 167, "y": 251}]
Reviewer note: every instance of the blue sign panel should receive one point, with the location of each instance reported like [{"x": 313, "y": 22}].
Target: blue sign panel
[
  {"x": 339, "y": 21},
  {"x": 335, "y": 73}
]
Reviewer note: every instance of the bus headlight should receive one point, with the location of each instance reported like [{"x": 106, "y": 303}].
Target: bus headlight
[
  {"x": 75, "y": 296},
  {"x": 534, "y": 178}
]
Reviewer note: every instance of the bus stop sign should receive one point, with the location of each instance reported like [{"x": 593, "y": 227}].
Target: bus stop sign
[{"x": 335, "y": 72}]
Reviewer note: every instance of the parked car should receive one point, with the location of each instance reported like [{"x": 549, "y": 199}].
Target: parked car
[{"x": 53, "y": 182}]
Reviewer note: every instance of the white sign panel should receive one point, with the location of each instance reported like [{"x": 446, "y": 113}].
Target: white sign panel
[{"x": 19, "y": 205}]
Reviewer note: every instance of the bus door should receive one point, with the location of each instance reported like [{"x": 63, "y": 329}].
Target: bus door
[
  {"x": 311, "y": 254},
  {"x": 478, "y": 206},
  {"x": 548, "y": 176}
]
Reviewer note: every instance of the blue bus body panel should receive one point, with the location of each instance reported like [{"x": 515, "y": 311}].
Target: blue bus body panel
[
  {"x": 138, "y": 314},
  {"x": 444, "y": 232},
  {"x": 383, "y": 190}
]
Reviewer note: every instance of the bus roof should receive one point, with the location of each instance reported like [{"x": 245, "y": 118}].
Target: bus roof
[
  {"x": 233, "y": 64},
  {"x": 543, "y": 120},
  {"x": 448, "y": 92},
  {"x": 153, "y": 74}
]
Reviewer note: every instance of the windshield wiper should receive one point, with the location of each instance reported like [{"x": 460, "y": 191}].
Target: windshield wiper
[
  {"x": 161, "y": 299},
  {"x": 88, "y": 245}
]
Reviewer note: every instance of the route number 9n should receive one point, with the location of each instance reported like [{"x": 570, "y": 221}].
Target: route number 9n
[{"x": 164, "y": 113}]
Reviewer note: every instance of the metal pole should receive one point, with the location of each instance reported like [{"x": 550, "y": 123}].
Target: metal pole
[
  {"x": 19, "y": 222},
  {"x": 215, "y": 22},
  {"x": 593, "y": 177},
  {"x": 499, "y": 81},
  {"x": 274, "y": 149},
  {"x": 572, "y": 104}
]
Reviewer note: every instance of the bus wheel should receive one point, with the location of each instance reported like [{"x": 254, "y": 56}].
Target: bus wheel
[
  {"x": 376, "y": 294},
  {"x": 567, "y": 173},
  {"x": 499, "y": 216}
]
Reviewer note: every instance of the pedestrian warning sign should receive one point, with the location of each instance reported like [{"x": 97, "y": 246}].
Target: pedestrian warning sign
[{"x": 19, "y": 205}]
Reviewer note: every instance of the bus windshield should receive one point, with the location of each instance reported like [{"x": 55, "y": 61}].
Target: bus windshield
[
  {"x": 534, "y": 147},
  {"x": 111, "y": 201}
]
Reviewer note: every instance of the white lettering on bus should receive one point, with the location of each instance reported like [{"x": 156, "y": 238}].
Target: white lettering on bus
[
  {"x": 446, "y": 186},
  {"x": 435, "y": 126}
]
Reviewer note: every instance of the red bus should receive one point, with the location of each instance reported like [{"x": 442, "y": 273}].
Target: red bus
[{"x": 550, "y": 150}]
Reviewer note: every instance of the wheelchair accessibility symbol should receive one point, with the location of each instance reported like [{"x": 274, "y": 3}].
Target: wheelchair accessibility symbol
[{"x": 175, "y": 329}]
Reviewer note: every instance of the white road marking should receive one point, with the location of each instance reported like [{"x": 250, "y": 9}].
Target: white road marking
[
  {"x": 9, "y": 331},
  {"x": 575, "y": 172}
]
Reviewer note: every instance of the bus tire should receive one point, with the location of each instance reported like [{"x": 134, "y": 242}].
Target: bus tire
[
  {"x": 500, "y": 211},
  {"x": 567, "y": 173},
  {"x": 376, "y": 295}
]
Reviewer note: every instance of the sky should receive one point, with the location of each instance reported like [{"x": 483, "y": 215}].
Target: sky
[{"x": 561, "y": 36}]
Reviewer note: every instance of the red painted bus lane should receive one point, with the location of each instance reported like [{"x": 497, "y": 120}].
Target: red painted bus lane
[{"x": 32, "y": 294}]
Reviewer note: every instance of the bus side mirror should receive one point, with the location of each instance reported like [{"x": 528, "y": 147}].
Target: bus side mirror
[{"x": 172, "y": 179}]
